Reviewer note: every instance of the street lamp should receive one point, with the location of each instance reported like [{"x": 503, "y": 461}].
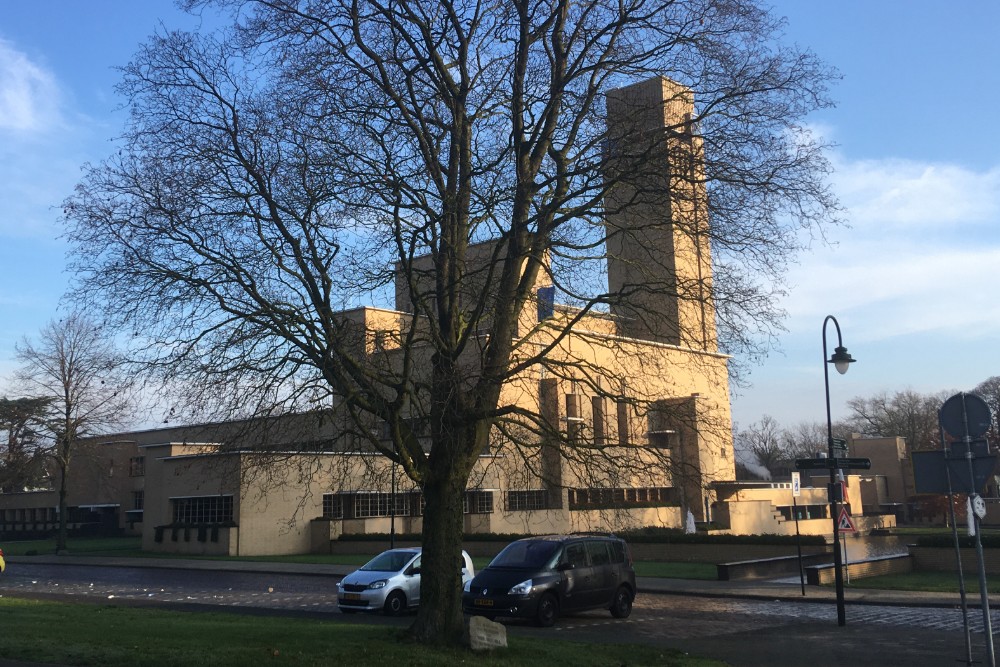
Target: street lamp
[{"x": 841, "y": 361}]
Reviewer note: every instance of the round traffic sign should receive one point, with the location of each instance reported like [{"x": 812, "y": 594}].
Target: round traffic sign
[{"x": 965, "y": 415}]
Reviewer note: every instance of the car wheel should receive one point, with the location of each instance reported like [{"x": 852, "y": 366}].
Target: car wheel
[
  {"x": 621, "y": 606},
  {"x": 548, "y": 610},
  {"x": 395, "y": 604}
]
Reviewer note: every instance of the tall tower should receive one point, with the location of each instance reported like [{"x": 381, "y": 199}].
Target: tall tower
[{"x": 656, "y": 214}]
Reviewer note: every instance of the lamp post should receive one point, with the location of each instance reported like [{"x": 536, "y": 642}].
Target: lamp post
[{"x": 841, "y": 361}]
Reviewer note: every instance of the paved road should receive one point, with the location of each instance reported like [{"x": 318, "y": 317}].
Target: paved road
[{"x": 780, "y": 632}]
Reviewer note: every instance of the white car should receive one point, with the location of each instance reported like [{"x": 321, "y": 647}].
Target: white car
[{"x": 390, "y": 582}]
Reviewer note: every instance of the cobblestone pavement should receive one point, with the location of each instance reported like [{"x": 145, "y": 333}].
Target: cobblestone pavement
[{"x": 661, "y": 614}]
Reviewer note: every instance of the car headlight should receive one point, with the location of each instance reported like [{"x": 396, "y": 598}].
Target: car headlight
[
  {"x": 522, "y": 588},
  {"x": 378, "y": 584},
  {"x": 340, "y": 586},
  {"x": 467, "y": 586}
]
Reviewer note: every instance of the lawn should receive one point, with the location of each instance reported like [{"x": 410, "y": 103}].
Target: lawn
[
  {"x": 119, "y": 636},
  {"x": 130, "y": 547},
  {"x": 933, "y": 582}
]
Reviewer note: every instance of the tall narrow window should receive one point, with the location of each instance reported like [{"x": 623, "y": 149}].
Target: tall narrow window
[
  {"x": 574, "y": 422},
  {"x": 600, "y": 429},
  {"x": 623, "y": 430}
]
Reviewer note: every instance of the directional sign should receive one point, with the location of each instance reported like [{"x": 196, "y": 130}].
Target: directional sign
[
  {"x": 845, "y": 523},
  {"x": 834, "y": 464},
  {"x": 814, "y": 464},
  {"x": 840, "y": 444}
]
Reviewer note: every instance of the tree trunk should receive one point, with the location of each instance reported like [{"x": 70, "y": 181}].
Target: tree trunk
[
  {"x": 439, "y": 619},
  {"x": 61, "y": 537}
]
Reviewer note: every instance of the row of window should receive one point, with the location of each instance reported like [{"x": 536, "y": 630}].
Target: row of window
[
  {"x": 601, "y": 498},
  {"x": 47, "y": 515},
  {"x": 202, "y": 510},
  {"x": 368, "y": 505},
  {"x": 661, "y": 431},
  {"x": 29, "y": 514}
]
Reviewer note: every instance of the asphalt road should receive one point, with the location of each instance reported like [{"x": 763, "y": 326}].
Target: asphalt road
[{"x": 742, "y": 632}]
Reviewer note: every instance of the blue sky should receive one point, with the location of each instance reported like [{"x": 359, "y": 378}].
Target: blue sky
[{"x": 912, "y": 281}]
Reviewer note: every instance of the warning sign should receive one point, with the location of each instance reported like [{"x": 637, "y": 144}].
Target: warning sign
[{"x": 845, "y": 523}]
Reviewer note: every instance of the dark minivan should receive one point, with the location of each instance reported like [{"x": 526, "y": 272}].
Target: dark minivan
[{"x": 542, "y": 577}]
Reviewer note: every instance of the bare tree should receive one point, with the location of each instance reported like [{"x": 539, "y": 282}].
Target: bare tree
[
  {"x": 764, "y": 441},
  {"x": 21, "y": 424},
  {"x": 904, "y": 413},
  {"x": 73, "y": 366},
  {"x": 274, "y": 174},
  {"x": 989, "y": 391},
  {"x": 806, "y": 439}
]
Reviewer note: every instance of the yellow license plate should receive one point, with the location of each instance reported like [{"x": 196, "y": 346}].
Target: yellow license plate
[
  {"x": 483, "y": 602},
  {"x": 352, "y": 596}
]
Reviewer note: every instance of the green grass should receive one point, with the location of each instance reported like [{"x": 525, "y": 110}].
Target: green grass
[
  {"x": 130, "y": 547},
  {"x": 115, "y": 636},
  {"x": 97, "y": 546},
  {"x": 918, "y": 531},
  {"x": 931, "y": 582}
]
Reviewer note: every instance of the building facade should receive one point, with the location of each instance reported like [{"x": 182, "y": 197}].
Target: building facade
[{"x": 642, "y": 389}]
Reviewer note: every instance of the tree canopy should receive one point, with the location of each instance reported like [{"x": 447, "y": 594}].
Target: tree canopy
[
  {"x": 74, "y": 370},
  {"x": 278, "y": 172}
]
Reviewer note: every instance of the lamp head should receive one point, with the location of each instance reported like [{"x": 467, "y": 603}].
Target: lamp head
[{"x": 841, "y": 359}]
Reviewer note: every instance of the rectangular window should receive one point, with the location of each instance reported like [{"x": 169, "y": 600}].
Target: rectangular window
[
  {"x": 519, "y": 501},
  {"x": 598, "y": 553},
  {"x": 574, "y": 422},
  {"x": 333, "y": 506},
  {"x": 203, "y": 509},
  {"x": 138, "y": 500},
  {"x": 604, "y": 498},
  {"x": 137, "y": 466},
  {"x": 368, "y": 505},
  {"x": 600, "y": 429},
  {"x": 623, "y": 434},
  {"x": 478, "y": 502}
]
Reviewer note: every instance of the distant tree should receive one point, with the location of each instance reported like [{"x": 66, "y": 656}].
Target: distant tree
[
  {"x": 989, "y": 391},
  {"x": 278, "y": 170},
  {"x": 805, "y": 440},
  {"x": 22, "y": 426},
  {"x": 907, "y": 413},
  {"x": 74, "y": 367},
  {"x": 749, "y": 471},
  {"x": 764, "y": 442}
]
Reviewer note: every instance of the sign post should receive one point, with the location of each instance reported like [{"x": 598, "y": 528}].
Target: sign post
[
  {"x": 966, "y": 417},
  {"x": 846, "y": 525},
  {"x": 796, "y": 490}
]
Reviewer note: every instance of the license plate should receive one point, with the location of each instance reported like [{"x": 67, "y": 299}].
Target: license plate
[
  {"x": 352, "y": 596},
  {"x": 482, "y": 602}
]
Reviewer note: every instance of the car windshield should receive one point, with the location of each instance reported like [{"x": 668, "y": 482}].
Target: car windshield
[
  {"x": 527, "y": 554},
  {"x": 388, "y": 561}
]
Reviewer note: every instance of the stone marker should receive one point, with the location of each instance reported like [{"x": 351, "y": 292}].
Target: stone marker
[{"x": 485, "y": 634}]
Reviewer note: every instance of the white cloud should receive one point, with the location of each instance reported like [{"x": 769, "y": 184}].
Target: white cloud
[
  {"x": 29, "y": 95},
  {"x": 906, "y": 195},
  {"x": 921, "y": 254}
]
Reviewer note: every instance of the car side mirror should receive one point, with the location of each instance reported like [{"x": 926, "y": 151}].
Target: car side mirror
[
  {"x": 562, "y": 567},
  {"x": 413, "y": 570}
]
